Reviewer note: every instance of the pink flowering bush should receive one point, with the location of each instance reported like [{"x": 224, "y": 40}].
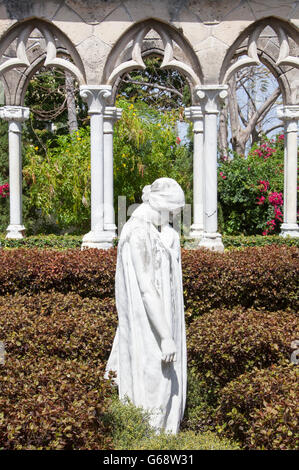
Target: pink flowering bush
[
  {"x": 251, "y": 190},
  {"x": 4, "y": 190}
]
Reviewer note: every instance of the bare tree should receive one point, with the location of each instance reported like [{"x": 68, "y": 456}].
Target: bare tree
[{"x": 246, "y": 121}]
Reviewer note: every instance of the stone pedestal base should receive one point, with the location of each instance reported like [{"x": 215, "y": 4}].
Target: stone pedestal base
[
  {"x": 289, "y": 230},
  {"x": 196, "y": 232},
  {"x": 99, "y": 240},
  {"x": 15, "y": 232},
  {"x": 212, "y": 241}
]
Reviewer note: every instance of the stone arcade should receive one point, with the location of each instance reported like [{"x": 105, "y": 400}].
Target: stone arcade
[{"x": 106, "y": 38}]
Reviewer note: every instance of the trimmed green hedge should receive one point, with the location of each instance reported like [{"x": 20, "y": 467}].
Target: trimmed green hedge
[{"x": 62, "y": 242}]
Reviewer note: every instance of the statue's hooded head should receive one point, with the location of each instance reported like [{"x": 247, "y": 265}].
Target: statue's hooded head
[{"x": 164, "y": 194}]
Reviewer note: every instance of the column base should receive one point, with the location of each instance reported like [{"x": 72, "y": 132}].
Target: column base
[
  {"x": 196, "y": 231},
  {"x": 289, "y": 230},
  {"x": 15, "y": 231},
  {"x": 99, "y": 240},
  {"x": 212, "y": 241}
]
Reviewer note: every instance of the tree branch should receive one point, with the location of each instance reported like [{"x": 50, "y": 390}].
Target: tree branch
[{"x": 154, "y": 85}]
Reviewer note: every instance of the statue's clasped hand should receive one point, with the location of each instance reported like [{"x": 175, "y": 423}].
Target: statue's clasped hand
[{"x": 168, "y": 348}]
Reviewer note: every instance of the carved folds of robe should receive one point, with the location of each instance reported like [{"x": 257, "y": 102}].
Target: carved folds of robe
[{"x": 142, "y": 376}]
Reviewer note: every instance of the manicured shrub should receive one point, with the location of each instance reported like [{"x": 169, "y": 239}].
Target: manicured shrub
[
  {"x": 89, "y": 273},
  {"x": 254, "y": 277},
  {"x": 224, "y": 344},
  {"x": 131, "y": 430},
  {"x": 264, "y": 277},
  {"x": 52, "y": 391},
  {"x": 260, "y": 408},
  {"x": 65, "y": 242},
  {"x": 50, "y": 403},
  {"x": 56, "y": 325}
]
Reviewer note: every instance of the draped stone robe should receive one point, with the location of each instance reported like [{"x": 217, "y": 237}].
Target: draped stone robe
[{"x": 142, "y": 376}]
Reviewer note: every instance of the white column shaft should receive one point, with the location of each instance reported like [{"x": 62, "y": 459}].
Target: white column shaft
[
  {"x": 97, "y": 172},
  {"x": 109, "y": 219},
  {"x": 290, "y": 196},
  {"x": 198, "y": 180},
  {"x": 289, "y": 114},
  {"x": 15, "y": 115},
  {"x": 15, "y": 172},
  {"x": 210, "y": 165}
]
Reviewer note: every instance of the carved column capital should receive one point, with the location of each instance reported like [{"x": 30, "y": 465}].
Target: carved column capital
[
  {"x": 288, "y": 112},
  {"x": 194, "y": 114},
  {"x": 14, "y": 113},
  {"x": 111, "y": 114},
  {"x": 96, "y": 97},
  {"x": 210, "y": 96}
]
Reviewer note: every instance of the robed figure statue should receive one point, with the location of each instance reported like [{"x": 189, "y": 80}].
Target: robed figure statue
[{"x": 149, "y": 349}]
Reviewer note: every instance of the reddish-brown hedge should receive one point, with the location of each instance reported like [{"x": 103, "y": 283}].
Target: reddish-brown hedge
[
  {"x": 54, "y": 324},
  {"x": 50, "y": 403},
  {"x": 225, "y": 343},
  {"x": 52, "y": 391},
  {"x": 260, "y": 408},
  {"x": 254, "y": 277}
]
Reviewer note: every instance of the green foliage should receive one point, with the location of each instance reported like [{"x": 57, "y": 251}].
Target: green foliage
[
  {"x": 67, "y": 241},
  {"x": 46, "y": 97},
  {"x": 129, "y": 424},
  {"x": 145, "y": 148},
  {"x": 260, "y": 408},
  {"x": 165, "y": 89},
  {"x": 59, "y": 184},
  {"x": 131, "y": 430},
  {"x": 240, "y": 188}
]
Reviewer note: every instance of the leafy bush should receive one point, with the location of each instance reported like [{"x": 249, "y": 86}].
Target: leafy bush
[
  {"x": 263, "y": 277},
  {"x": 254, "y": 277},
  {"x": 260, "y": 408},
  {"x": 224, "y": 344},
  {"x": 131, "y": 430},
  {"x": 250, "y": 189},
  {"x": 89, "y": 273},
  {"x": 57, "y": 182},
  {"x": 68, "y": 241},
  {"x": 53, "y": 324},
  {"x": 52, "y": 391},
  {"x": 50, "y": 403}
]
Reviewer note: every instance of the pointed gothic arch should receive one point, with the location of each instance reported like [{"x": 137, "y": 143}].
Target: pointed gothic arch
[
  {"x": 250, "y": 51},
  {"x": 127, "y": 54},
  {"x": 28, "y": 59}
]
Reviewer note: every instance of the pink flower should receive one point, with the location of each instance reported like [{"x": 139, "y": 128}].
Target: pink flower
[
  {"x": 261, "y": 200},
  {"x": 4, "y": 190},
  {"x": 178, "y": 140},
  {"x": 275, "y": 199}
]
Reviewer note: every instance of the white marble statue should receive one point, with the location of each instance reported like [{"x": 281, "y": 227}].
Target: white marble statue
[{"x": 149, "y": 349}]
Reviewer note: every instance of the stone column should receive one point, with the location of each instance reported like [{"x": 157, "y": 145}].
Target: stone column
[
  {"x": 289, "y": 114},
  {"x": 96, "y": 96},
  {"x": 195, "y": 115},
  {"x": 210, "y": 96},
  {"x": 111, "y": 114},
  {"x": 15, "y": 115}
]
